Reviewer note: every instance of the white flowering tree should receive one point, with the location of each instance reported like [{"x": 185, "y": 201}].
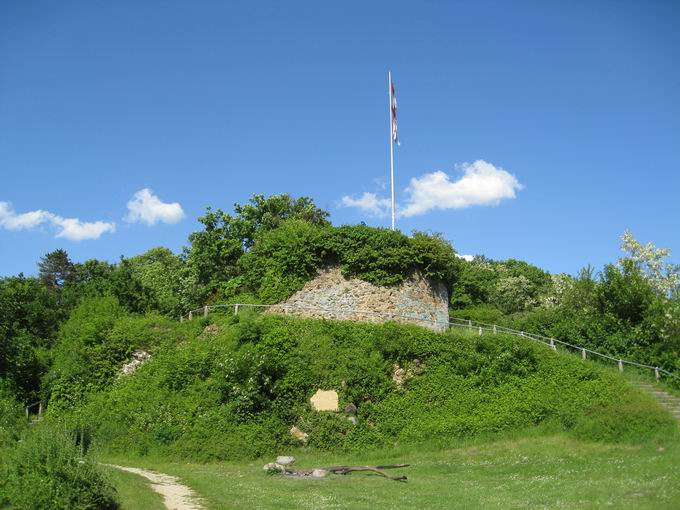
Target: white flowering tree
[{"x": 664, "y": 276}]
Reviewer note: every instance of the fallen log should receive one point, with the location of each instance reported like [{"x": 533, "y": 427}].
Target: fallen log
[
  {"x": 344, "y": 470},
  {"x": 283, "y": 463}
]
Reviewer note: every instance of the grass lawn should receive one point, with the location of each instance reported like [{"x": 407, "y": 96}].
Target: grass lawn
[
  {"x": 532, "y": 472},
  {"x": 134, "y": 491}
]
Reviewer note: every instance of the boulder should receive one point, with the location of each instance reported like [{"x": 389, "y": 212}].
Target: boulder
[{"x": 273, "y": 467}]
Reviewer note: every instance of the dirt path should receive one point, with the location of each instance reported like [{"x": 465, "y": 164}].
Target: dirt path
[{"x": 175, "y": 495}]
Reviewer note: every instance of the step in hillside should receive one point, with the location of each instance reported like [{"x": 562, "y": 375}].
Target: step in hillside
[{"x": 667, "y": 400}]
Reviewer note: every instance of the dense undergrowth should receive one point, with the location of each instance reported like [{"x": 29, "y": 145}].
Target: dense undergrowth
[
  {"x": 235, "y": 393},
  {"x": 47, "y": 470}
]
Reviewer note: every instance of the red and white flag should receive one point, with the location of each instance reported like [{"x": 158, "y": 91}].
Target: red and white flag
[{"x": 393, "y": 107}]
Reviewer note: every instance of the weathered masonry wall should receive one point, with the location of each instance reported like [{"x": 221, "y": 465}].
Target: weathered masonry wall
[{"x": 354, "y": 299}]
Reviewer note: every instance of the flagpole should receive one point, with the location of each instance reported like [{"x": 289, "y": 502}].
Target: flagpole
[{"x": 389, "y": 76}]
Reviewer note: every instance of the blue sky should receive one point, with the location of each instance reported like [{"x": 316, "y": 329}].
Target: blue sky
[{"x": 533, "y": 130}]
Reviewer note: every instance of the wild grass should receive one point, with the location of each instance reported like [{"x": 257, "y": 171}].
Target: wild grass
[
  {"x": 134, "y": 491},
  {"x": 554, "y": 471}
]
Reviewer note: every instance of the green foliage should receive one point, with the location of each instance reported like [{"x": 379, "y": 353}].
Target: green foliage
[
  {"x": 94, "y": 342},
  {"x": 55, "y": 269},
  {"x": 272, "y": 246},
  {"x": 235, "y": 393},
  {"x": 89, "y": 279},
  {"x": 485, "y": 313},
  {"x": 634, "y": 419},
  {"x": 262, "y": 214},
  {"x": 46, "y": 470},
  {"x": 624, "y": 294},
  {"x": 29, "y": 316},
  {"x": 129, "y": 288},
  {"x": 436, "y": 257},
  {"x": 511, "y": 285},
  {"x": 216, "y": 250},
  {"x": 162, "y": 273},
  {"x": 377, "y": 255},
  {"x": 282, "y": 260},
  {"x": 12, "y": 420},
  {"x": 82, "y": 361},
  {"x": 388, "y": 257},
  {"x": 618, "y": 311},
  {"x": 513, "y": 294}
]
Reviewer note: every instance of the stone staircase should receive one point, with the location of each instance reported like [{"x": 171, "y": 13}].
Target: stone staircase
[{"x": 667, "y": 400}]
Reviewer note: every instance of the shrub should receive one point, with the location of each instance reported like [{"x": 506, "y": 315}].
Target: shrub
[
  {"x": 47, "y": 471},
  {"x": 634, "y": 419},
  {"x": 283, "y": 259},
  {"x": 95, "y": 342},
  {"x": 12, "y": 421}
]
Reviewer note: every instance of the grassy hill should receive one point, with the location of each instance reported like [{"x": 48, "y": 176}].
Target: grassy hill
[{"x": 231, "y": 387}]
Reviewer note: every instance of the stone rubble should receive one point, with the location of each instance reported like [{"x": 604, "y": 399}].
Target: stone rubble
[
  {"x": 211, "y": 329},
  {"x": 400, "y": 374},
  {"x": 298, "y": 434},
  {"x": 138, "y": 359}
]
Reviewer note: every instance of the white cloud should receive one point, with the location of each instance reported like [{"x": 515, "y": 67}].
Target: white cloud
[
  {"x": 68, "y": 228},
  {"x": 76, "y": 230},
  {"x": 147, "y": 208},
  {"x": 13, "y": 221},
  {"x": 481, "y": 184},
  {"x": 469, "y": 258},
  {"x": 368, "y": 203}
]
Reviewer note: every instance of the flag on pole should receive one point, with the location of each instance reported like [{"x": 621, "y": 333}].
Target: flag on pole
[{"x": 393, "y": 106}]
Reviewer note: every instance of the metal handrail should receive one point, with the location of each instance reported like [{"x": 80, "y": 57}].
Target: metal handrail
[
  {"x": 451, "y": 322},
  {"x": 40, "y": 405}
]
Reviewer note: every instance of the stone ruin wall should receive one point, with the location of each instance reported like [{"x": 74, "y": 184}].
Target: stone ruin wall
[{"x": 330, "y": 295}]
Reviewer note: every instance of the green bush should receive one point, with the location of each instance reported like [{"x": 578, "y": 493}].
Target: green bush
[
  {"x": 12, "y": 421},
  {"x": 283, "y": 259},
  {"x": 46, "y": 470},
  {"x": 636, "y": 418},
  {"x": 95, "y": 342}
]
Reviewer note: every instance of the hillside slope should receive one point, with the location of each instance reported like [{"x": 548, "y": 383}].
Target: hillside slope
[{"x": 234, "y": 390}]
